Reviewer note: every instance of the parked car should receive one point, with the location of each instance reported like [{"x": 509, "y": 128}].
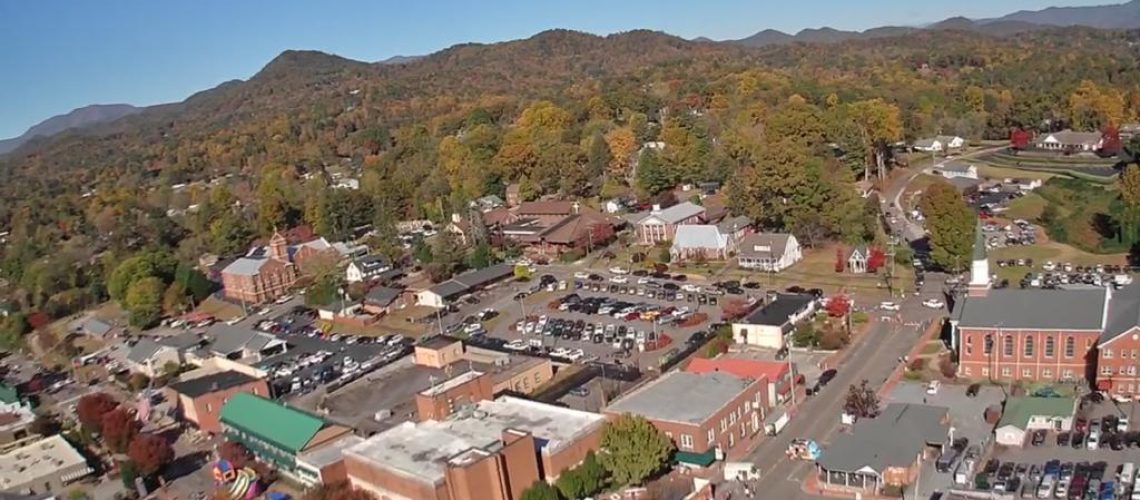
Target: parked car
[{"x": 889, "y": 306}]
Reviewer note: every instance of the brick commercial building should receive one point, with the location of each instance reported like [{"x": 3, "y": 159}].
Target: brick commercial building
[
  {"x": 262, "y": 275},
  {"x": 201, "y": 399},
  {"x": 443, "y": 400},
  {"x": 1083, "y": 333},
  {"x": 492, "y": 450},
  {"x": 777, "y": 375},
  {"x": 277, "y": 434},
  {"x": 702, "y": 413},
  {"x": 47, "y": 465},
  {"x": 509, "y": 372}
]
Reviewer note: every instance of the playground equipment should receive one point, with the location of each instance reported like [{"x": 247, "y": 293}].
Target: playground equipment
[{"x": 243, "y": 483}]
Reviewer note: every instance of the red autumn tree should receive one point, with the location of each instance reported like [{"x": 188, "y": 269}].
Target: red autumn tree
[
  {"x": 1019, "y": 138},
  {"x": 840, "y": 264},
  {"x": 151, "y": 453},
  {"x": 119, "y": 429},
  {"x": 235, "y": 453},
  {"x": 91, "y": 408},
  {"x": 1110, "y": 143},
  {"x": 876, "y": 260},
  {"x": 734, "y": 309},
  {"x": 838, "y": 306},
  {"x": 337, "y": 491}
]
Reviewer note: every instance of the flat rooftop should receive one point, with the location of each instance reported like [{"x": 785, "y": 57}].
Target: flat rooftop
[
  {"x": 779, "y": 311},
  {"x": 451, "y": 383},
  {"x": 330, "y": 453},
  {"x": 683, "y": 397},
  {"x": 438, "y": 342},
  {"x": 43, "y": 458},
  {"x": 420, "y": 450}
]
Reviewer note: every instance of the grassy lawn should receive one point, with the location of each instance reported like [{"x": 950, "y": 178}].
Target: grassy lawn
[
  {"x": 817, "y": 270},
  {"x": 219, "y": 309},
  {"x": 995, "y": 172},
  {"x": 932, "y": 347},
  {"x": 1028, "y": 207}
]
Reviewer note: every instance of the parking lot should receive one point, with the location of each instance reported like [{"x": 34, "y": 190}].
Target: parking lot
[
  {"x": 313, "y": 358},
  {"x": 607, "y": 321}
]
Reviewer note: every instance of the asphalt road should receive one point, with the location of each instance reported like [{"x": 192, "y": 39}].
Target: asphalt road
[{"x": 872, "y": 359}]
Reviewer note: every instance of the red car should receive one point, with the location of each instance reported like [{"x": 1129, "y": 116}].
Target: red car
[{"x": 1082, "y": 424}]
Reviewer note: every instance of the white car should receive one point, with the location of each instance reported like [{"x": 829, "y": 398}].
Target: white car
[
  {"x": 472, "y": 328},
  {"x": 642, "y": 280},
  {"x": 933, "y": 386},
  {"x": 689, "y": 287},
  {"x": 619, "y": 279},
  {"x": 933, "y": 303},
  {"x": 283, "y": 299},
  {"x": 619, "y": 270},
  {"x": 264, "y": 311},
  {"x": 234, "y": 321},
  {"x": 581, "y": 275},
  {"x": 889, "y": 306},
  {"x": 1048, "y": 266}
]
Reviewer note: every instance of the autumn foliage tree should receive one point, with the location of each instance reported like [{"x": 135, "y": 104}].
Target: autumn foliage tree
[
  {"x": 235, "y": 453},
  {"x": 1019, "y": 138},
  {"x": 875, "y": 260},
  {"x": 838, "y": 305},
  {"x": 341, "y": 490},
  {"x": 119, "y": 429},
  {"x": 151, "y": 453},
  {"x": 861, "y": 401},
  {"x": 91, "y": 408}
]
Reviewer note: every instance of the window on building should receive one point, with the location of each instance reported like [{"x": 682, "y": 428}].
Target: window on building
[
  {"x": 1070, "y": 347},
  {"x": 1028, "y": 349},
  {"x": 1106, "y": 354},
  {"x": 1067, "y": 374},
  {"x": 1131, "y": 370},
  {"x": 712, "y": 435},
  {"x": 967, "y": 371},
  {"x": 686, "y": 441},
  {"x": 1047, "y": 373},
  {"x": 1049, "y": 347},
  {"x": 1120, "y": 370},
  {"x": 723, "y": 424},
  {"x": 1007, "y": 372},
  {"x": 1007, "y": 346},
  {"x": 732, "y": 418},
  {"x": 988, "y": 345},
  {"x": 1026, "y": 373},
  {"x": 985, "y": 371},
  {"x": 969, "y": 350},
  {"x": 1106, "y": 370}
]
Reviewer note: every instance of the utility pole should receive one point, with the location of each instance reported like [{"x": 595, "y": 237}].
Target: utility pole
[{"x": 891, "y": 258}]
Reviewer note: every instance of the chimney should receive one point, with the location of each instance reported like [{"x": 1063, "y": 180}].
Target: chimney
[
  {"x": 656, "y": 208},
  {"x": 576, "y": 206}
]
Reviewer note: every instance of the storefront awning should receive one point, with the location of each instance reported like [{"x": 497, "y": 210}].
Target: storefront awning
[{"x": 698, "y": 459}]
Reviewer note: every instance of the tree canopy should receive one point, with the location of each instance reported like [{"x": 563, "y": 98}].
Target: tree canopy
[
  {"x": 633, "y": 449},
  {"x": 952, "y": 226}
]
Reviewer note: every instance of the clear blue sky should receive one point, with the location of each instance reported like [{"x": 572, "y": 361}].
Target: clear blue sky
[{"x": 57, "y": 55}]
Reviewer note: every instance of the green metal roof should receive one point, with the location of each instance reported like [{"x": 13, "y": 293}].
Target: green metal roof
[
  {"x": 288, "y": 428},
  {"x": 698, "y": 459},
  {"x": 1019, "y": 410},
  {"x": 8, "y": 394}
]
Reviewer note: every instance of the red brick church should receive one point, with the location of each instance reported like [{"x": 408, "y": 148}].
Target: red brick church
[{"x": 1078, "y": 333}]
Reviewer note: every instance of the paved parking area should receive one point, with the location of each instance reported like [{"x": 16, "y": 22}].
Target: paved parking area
[
  {"x": 505, "y": 327},
  {"x": 966, "y": 418}
]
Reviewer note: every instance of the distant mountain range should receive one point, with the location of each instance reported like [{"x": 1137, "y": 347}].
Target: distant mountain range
[
  {"x": 77, "y": 118},
  {"x": 1118, "y": 16}
]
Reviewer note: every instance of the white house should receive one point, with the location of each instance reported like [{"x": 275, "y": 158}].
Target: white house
[
  {"x": 1070, "y": 140},
  {"x": 661, "y": 224},
  {"x": 770, "y": 324},
  {"x": 957, "y": 171},
  {"x": 701, "y": 241},
  {"x": 366, "y": 268},
  {"x": 1025, "y": 414},
  {"x": 857, "y": 259},
  {"x": 939, "y": 143},
  {"x": 768, "y": 252}
]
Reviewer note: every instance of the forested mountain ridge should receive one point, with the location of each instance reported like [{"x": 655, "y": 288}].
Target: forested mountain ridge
[
  {"x": 76, "y": 118},
  {"x": 561, "y": 113}
]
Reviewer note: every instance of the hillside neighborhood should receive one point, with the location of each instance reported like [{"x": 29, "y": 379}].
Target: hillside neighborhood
[{"x": 627, "y": 267}]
